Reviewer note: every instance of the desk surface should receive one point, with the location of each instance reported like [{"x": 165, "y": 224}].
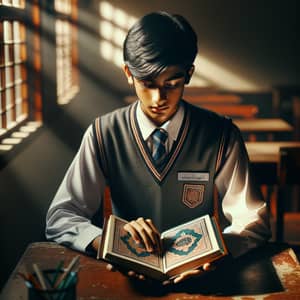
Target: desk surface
[
  {"x": 272, "y": 271},
  {"x": 267, "y": 152},
  {"x": 271, "y": 125}
]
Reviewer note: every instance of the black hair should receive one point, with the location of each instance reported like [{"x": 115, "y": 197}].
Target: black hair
[{"x": 157, "y": 41}]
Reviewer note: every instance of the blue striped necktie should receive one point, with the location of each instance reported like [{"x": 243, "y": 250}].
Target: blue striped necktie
[{"x": 159, "y": 151}]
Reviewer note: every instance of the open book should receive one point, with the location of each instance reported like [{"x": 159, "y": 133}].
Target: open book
[{"x": 187, "y": 246}]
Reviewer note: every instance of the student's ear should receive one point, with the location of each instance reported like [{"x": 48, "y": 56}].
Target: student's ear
[
  {"x": 189, "y": 74},
  {"x": 128, "y": 74}
]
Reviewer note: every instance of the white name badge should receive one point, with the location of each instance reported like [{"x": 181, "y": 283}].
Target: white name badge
[{"x": 193, "y": 176}]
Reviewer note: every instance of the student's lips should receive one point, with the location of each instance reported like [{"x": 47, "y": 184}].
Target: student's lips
[{"x": 159, "y": 109}]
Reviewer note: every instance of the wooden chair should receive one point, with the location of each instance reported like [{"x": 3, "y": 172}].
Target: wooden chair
[
  {"x": 296, "y": 116},
  {"x": 288, "y": 175}
]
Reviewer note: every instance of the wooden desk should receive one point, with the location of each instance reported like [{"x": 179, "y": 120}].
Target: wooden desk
[
  {"x": 271, "y": 271},
  {"x": 263, "y": 125},
  {"x": 233, "y": 110},
  {"x": 267, "y": 152},
  {"x": 264, "y": 158},
  {"x": 270, "y": 127},
  {"x": 212, "y": 98}
]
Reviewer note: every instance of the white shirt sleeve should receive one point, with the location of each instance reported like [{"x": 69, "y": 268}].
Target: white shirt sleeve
[
  {"x": 77, "y": 200},
  {"x": 242, "y": 203}
]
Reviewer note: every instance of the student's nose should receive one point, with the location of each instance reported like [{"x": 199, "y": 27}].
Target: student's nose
[{"x": 158, "y": 96}]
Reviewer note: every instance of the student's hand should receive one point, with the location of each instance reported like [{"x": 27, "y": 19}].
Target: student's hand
[
  {"x": 190, "y": 273},
  {"x": 129, "y": 273},
  {"x": 144, "y": 232}
]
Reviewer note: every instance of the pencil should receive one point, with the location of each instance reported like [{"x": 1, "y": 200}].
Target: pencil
[
  {"x": 57, "y": 271},
  {"x": 68, "y": 270},
  {"x": 40, "y": 276},
  {"x": 98, "y": 250}
]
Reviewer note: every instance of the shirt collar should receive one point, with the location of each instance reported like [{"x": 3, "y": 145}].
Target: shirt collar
[{"x": 172, "y": 126}]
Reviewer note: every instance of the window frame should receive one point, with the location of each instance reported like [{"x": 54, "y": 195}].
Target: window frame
[{"x": 29, "y": 127}]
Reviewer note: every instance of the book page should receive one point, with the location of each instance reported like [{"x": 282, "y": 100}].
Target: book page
[
  {"x": 185, "y": 243},
  {"x": 125, "y": 246}
]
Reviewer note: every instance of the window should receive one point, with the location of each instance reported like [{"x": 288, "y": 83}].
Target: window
[
  {"x": 17, "y": 113},
  {"x": 13, "y": 3},
  {"x": 66, "y": 51},
  {"x": 13, "y": 75}
]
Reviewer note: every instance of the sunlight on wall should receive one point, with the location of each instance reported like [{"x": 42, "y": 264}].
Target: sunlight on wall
[
  {"x": 18, "y": 136},
  {"x": 219, "y": 76},
  {"x": 64, "y": 7},
  {"x": 113, "y": 26},
  {"x": 67, "y": 87},
  {"x": 66, "y": 51},
  {"x": 197, "y": 80}
]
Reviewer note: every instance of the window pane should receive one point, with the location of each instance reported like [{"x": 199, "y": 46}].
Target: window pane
[{"x": 13, "y": 78}]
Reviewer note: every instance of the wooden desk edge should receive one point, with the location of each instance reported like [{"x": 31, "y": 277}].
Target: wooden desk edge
[{"x": 285, "y": 263}]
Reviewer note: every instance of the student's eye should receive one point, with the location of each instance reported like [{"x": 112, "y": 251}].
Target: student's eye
[
  {"x": 148, "y": 85},
  {"x": 171, "y": 86}
]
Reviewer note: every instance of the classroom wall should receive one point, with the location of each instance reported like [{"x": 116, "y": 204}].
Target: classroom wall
[
  {"x": 255, "y": 39},
  {"x": 29, "y": 181}
]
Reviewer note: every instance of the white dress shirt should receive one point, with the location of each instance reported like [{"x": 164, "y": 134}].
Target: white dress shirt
[{"x": 78, "y": 197}]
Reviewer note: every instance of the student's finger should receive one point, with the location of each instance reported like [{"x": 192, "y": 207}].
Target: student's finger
[
  {"x": 150, "y": 229},
  {"x": 208, "y": 267},
  {"x": 141, "y": 277},
  {"x": 157, "y": 234},
  {"x": 166, "y": 282},
  {"x": 131, "y": 273},
  {"x": 150, "y": 223},
  {"x": 131, "y": 230},
  {"x": 196, "y": 272},
  {"x": 110, "y": 267},
  {"x": 139, "y": 234},
  {"x": 187, "y": 274},
  {"x": 143, "y": 231}
]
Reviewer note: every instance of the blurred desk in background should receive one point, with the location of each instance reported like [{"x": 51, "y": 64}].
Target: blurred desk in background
[
  {"x": 243, "y": 111},
  {"x": 264, "y": 158},
  {"x": 261, "y": 125},
  {"x": 271, "y": 271},
  {"x": 260, "y": 152}
]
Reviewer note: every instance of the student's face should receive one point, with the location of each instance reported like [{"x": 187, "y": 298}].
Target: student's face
[{"x": 160, "y": 97}]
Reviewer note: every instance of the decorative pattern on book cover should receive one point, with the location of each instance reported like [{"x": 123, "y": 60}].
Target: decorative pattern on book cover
[
  {"x": 184, "y": 244},
  {"x": 125, "y": 246},
  {"x": 181, "y": 244}
]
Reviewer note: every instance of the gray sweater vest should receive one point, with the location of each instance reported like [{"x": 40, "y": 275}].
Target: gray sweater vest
[{"x": 183, "y": 190}]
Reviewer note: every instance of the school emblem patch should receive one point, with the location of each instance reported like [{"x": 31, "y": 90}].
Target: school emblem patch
[{"x": 193, "y": 194}]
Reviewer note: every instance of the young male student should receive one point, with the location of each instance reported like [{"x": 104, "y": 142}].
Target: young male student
[{"x": 161, "y": 156}]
